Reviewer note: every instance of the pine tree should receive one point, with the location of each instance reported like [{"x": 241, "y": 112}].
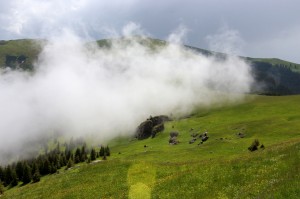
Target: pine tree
[
  {"x": 102, "y": 151},
  {"x": 69, "y": 164},
  {"x": 46, "y": 167},
  {"x": 88, "y": 160},
  {"x": 104, "y": 156},
  {"x": 14, "y": 178},
  {"x": 36, "y": 176},
  {"x": 26, "y": 174},
  {"x": 34, "y": 167},
  {"x": 83, "y": 154},
  {"x": 7, "y": 176},
  {"x": 53, "y": 168},
  {"x": 57, "y": 150},
  {"x": 19, "y": 170},
  {"x": 1, "y": 174},
  {"x": 107, "y": 150},
  {"x": 1, "y": 188},
  {"x": 63, "y": 160},
  {"x": 93, "y": 154},
  {"x": 77, "y": 156},
  {"x": 69, "y": 155}
]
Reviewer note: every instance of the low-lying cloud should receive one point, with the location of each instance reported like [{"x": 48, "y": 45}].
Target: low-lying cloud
[{"x": 80, "y": 89}]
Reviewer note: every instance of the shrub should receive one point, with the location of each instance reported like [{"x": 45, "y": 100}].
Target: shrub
[
  {"x": 254, "y": 145},
  {"x": 36, "y": 176},
  {"x": 1, "y": 188},
  {"x": 70, "y": 164}
]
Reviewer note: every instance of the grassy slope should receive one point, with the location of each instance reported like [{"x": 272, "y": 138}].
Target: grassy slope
[
  {"x": 31, "y": 48},
  {"x": 278, "y": 62},
  {"x": 216, "y": 169},
  {"x": 27, "y": 47}
]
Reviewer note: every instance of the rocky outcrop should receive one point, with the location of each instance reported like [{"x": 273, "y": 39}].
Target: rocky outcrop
[
  {"x": 151, "y": 127},
  {"x": 173, "y": 138}
]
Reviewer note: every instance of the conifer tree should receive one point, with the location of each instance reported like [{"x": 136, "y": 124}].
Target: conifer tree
[
  {"x": 69, "y": 164},
  {"x": 26, "y": 174},
  {"x": 1, "y": 174},
  {"x": 102, "y": 151},
  {"x": 83, "y": 154},
  {"x": 104, "y": 156},
  {"x": 107, "y": 150},
  {"x": 62, "y": 160},
  {"x": 34, "y": 167},
  {"x": 7, "y": 175},
  {"x": 46, "y": 167},
  {"x": 1, "y": 188},
  {"x": 19, "y": 170},
  {"x": 77, "y": 156},
  {"x": 36, "y": 176},
  {"x": 53, "y": 168},
  {"x": 14, "y": 178},
  {"x": 93, "y": 154}
]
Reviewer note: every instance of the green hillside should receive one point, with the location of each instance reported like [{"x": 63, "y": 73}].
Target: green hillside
[
  {"x": 221, "y": 167},
  {"x": 277, "y": 62},
  {"x": 30, "y": 49},
  {"x": 272, "y": 76},
  {"x": 19, "y": 53}
]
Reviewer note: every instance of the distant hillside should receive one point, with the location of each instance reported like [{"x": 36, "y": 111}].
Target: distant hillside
[
  {"x": 19, "y": 53},
  {"x": 273, "y": 76}
]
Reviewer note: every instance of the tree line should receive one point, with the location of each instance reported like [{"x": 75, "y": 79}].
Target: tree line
[{"x": 31, "y": 170}]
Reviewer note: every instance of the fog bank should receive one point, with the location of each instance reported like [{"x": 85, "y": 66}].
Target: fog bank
[{"x": 79, "y": 89}]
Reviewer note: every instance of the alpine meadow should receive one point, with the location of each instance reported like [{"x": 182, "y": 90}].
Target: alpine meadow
[{"x": 116, "y": 99}]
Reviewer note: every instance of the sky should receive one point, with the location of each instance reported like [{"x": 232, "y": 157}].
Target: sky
[{"x": 256, "y": 28}]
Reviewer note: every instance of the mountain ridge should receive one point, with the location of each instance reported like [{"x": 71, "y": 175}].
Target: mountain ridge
[{"x": 274, "y": 76}]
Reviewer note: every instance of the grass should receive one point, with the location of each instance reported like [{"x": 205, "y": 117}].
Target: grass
[
  {"x": 27, "y": 47},
  {"x": 219, "y": 168},
  {"x": 278, "y": 62}
]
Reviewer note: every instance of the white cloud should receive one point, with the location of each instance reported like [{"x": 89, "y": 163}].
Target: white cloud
[
  {"x": 79, "y": 90},
  {"x": 226, "y": 40}
]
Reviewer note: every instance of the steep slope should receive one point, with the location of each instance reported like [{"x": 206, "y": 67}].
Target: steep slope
[{"x": 221, "y": 167}]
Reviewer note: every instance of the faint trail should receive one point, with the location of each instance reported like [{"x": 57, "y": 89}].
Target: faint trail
[{"x": 141, "y": 178}]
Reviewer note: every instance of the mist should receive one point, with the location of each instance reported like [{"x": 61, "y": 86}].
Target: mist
[{"x": 78, "y": 89}]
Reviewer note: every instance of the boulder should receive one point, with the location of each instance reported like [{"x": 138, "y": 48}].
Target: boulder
[
  {"x": 192, "y": 140},
  {"x": 204, "y": 138},
  {"x": 158, "y": 128},
  {"x": 241, "y": 135},
  {"x": 173, "y": 140},
  {"x": 144, "y": 130},
  {"x": 174, "y": 134},
  {"x": 151, "y": 127}
]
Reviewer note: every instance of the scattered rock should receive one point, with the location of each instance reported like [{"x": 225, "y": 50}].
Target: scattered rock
[
  {"x": 173, "y": 140},
  {"x": 174, "y": 134},
  {"x": 192, "y": 141},
  {"x": 254, "y": 145},
  {"x": 204, "y": 137},
  {"x": 241, "y": 135},
  {"x": 195, "y": 135}
]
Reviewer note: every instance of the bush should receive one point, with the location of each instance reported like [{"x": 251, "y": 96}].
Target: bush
[
  {"x": 70, "y": 164},
  {"x": 36, "y": 176},
  {"x": 254, "y": 145},
  {"x": 1, "y": 188}
]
